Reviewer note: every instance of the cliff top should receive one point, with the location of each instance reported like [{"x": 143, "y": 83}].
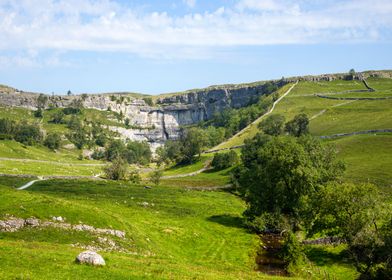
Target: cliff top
[{"x": 368, "y": 73}]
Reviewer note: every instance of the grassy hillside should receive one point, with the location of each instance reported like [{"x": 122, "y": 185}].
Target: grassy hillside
[
  {"x": 185, "y": 234},
  {"x": 181, "y": 234},
  {"x": 367, "y": 156}
]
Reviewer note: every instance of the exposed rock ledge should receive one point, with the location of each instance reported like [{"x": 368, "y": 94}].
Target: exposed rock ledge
[{"x": 14, "y": 224}]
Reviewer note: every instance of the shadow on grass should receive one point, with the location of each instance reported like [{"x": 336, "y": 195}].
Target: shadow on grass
[
  {"x": 228, "y": 220},
  {"x": 321, "y": 257}
]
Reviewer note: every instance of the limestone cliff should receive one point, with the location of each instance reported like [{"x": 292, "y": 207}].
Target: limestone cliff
[
  {"x": 160, "y": 122},
  {"x": 157, "y": 123}
]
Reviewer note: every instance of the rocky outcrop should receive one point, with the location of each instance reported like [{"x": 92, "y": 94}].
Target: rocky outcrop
[
  {"x": 91, "y": 258},
  {"x": 13, "y": 224},
  {"x": 156, "y": 124}
]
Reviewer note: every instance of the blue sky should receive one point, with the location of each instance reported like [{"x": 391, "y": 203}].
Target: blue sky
[{"x": 166, "y": 45}]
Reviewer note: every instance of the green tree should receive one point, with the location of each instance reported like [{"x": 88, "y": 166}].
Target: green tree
[
  {"x": 358, "y": 215},
  {"x": 117, "y": 170},
  {"x": 28, "y": 134},
  {"x": 298, "y": 126},
  {"x": 53, "y": 141},
  {"x": 224, "y": 160},
  {"x": 41, "y": 101},
  {"x": 193, "y": 140},
  {"x": 78, "y": 138},
  {"x": 273, "y": 125},
  {"x": 278, "y": 172},
  {"x": 116, "y": 149},
  {"x": 58, "y": 117}
]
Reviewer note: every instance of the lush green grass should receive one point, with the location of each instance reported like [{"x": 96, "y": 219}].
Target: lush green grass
[
  {"x": 185, "y": 235},
  {"x": 355, "y": 116},
  {"x": 13, "y": 149},
  {"x": 48, "y": 168},
  {"x": 331, "y": 116},
  {"x": 209, "y": 178},
  {"x": 368, "y": 158},
  {"x": 188, "y": 168},
  {"x": 182, "y": 234},
  {"x": 331, "y": 262},
  {"x": 14, "y": 182}
]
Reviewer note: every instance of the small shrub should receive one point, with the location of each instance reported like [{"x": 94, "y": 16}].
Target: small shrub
[
  {"x": 292, "y": 252},
  {"x": 134, "y": 177},
  {"x": 98, "y": 155},
  {"x": 117, "y": 170},
  {"x": 155, "y": 176},
  {"x": 38, "y": 113}
]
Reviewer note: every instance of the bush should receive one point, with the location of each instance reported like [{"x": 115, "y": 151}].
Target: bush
[
  {"x": 53, "y": 141},
  {"x": 117, "y": 170},
  {"x": 134, "y": 177},
  {"x": 273, "y": 125},
  {"x": 155, "y": 176},
  {"x": 38, "y": 113},
  {"x": 224, "y": 160},
  {"x": 58, "y": 117},
  {"x": 292, "y": 252},
  {"x": 267, "y": 222},
  {"x": 98, "y": 154},
  {"x": 28, "y": 134},
  {"x": 298, "y": 126}
]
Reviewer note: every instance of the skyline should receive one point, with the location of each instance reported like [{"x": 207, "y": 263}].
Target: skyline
[{"x": 107, "y": 46}]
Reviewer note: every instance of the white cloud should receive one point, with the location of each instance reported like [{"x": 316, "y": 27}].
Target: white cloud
[{"x": 104, "y": 25}]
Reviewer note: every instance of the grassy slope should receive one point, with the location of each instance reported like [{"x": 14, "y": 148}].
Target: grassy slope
[
  {"x": 185, "y": 235},
  {"x": 190, "y": 234},
  {"x": 367, "y": 158}
]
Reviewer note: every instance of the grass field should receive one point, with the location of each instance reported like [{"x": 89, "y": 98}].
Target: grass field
[
  {"x": 185, "y": 235},
  {"x": 181, "y": 234},
  {"x": 367, "y": 158}
]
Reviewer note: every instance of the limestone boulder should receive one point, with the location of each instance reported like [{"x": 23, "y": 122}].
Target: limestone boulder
[{"x": 91, "y": 258}]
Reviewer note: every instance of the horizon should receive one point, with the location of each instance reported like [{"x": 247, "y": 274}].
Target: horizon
[
  {"x": 176, "y": 45},
  {"x": 189, "y": 89}
]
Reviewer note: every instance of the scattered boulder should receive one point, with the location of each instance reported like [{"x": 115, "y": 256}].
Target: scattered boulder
[
  {"x": 91, "y": 258},
  {"x": 58, "y": 219},
  {"x": 83, "y": 228},
  {"x": 12, "y": 225},
  {"x": 32, "y": 222}
]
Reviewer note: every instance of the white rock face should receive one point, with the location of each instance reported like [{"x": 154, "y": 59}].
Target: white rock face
[{"x": 91, "y": 258}]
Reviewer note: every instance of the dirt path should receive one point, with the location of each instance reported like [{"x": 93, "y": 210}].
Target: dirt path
[
  {"x": 43, "y": 178},
  {"x": 205, "y": 167},
  {"x": 29, "y": 184}
]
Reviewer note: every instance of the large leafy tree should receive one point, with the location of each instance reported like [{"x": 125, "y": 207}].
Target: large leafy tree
[
  {"x": 279, "y": 172},
  {"x": 298, "y": 126},
  {"x": 273, "y": 125}
]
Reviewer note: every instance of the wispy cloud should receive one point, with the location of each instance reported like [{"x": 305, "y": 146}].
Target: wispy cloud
[{"x": 105, "y": 25}]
